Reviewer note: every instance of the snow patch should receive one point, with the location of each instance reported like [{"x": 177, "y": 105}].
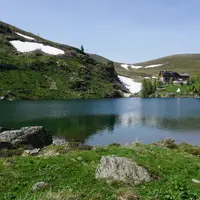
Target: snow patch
[
  {"x": 134, "y": 87},
  {"x": 154, "y": 77},
  {"x": 24, "y": 36},
  {"x": 156, "y": 65},
  {"x": 32, "y": 46},
  {"x": 125, "y": 66},
  {"x": 136, "y": 67}
]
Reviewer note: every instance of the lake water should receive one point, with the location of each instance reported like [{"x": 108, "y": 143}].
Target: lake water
[{"x": 101, "y": 122}]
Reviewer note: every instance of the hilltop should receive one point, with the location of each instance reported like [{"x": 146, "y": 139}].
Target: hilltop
[
  {"x": 32, "y": 67},
  {"x": 181, "y": 63}
]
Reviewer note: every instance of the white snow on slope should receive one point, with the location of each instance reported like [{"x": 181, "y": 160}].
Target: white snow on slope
[
  {"x": 156, "y": 65},
  {"x": 132, "y": 66},
  {"x": 24, "y": 36},
  {"x": 32, "y": 46},
  {"x": 125, "y": 66},
  {"x": 134, "y": 87},
  {"x": 136, "y": 67}
]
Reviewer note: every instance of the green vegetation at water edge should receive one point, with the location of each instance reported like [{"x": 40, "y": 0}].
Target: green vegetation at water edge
[
  {"x": 71, "y": 175},
  {"x": 155, "y": 88}
]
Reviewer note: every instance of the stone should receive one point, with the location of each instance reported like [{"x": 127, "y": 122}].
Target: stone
[
  {"x": 34, "y": 152},
  {"x": 13, "y": 136},
  {"x": 4, "y": 129},
  {"x": 121, "y": 169},
  {"x": 59, "y": 140},
  {"x": 26, "y": 153},
  {"x": 3, "y": 98},
  {"x": 37, "y": 136},
  {"x": 39, "y": 186},
  {"x": 195, "y": 181}
]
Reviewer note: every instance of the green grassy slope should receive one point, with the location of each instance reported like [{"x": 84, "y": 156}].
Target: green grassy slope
[
  {"x": 189, "y": 63},
  {"x": 37, "y": 75},
  {"x": 71, "y": 175}
]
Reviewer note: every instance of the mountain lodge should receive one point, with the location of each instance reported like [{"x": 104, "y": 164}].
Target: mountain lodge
[{"x": 165, "y": 76}]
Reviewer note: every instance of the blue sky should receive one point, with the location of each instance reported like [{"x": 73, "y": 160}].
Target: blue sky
[{"x": 122, "y": 30}]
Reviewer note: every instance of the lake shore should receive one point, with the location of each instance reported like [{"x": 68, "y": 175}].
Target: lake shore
[{"x": 68, "y": 171}]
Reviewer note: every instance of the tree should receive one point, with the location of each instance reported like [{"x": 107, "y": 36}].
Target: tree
[
  {"x": 171, "y": 81},
  {"x": 147, "y": 88},
  {"x": 82, "y": 48}
]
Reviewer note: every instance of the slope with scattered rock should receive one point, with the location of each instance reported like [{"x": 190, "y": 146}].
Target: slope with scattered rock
[{"x": 73, "y": 170}]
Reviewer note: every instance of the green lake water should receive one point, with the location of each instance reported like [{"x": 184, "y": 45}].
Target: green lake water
[{"x": 101, "y": 122}]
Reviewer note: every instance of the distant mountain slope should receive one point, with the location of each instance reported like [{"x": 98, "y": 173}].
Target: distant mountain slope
[
  {"x": 188, "y": 63},
  {"x": 32, "y": 67}
]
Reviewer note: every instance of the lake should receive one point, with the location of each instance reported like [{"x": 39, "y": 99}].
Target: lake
[{"x": 101, "y": 122}]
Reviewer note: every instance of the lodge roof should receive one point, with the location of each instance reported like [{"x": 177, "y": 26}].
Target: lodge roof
[{"x": 173, "y": 74}]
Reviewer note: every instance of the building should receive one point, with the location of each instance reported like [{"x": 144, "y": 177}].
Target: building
[{"x": 166, "y": 76}]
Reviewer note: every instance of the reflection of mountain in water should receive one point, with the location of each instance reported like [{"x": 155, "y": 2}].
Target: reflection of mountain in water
[
  {"x": 74, "y": 127},
  {"x": 167, "y": 123}
]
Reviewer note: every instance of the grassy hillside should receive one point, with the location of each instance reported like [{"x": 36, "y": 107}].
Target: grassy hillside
[
  {"x": 37, "y": 75},
  {"x": 71, "y": 174},
  {"x": 189, "y": 63},
  {"x": 120, "y": 70}
]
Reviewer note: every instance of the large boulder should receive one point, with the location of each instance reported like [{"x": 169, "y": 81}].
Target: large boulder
[
  {"x": 121, "y": 169},
  {"x": 37, "y": 136},
  {"x": 4, "y": 129}
]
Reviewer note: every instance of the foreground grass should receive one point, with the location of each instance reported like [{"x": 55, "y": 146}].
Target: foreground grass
[{"x": 72, "y": 174}]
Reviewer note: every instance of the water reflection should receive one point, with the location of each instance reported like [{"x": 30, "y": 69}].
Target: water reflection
[{"x": 105, "y": 121}]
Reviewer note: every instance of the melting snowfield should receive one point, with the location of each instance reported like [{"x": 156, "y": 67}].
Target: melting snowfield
[
  {"x": 32, "y": 46},
  {"x": 136, "y": 67},
  {"x": 134, "y": 87},
  {"x": 24, "y": 36},
  {"x": 156, "y": 65},
  {"x": 125, "y": 66},
  {"x": 139, "y": 66}
]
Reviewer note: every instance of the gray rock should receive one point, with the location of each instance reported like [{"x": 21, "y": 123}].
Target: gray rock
[
  {"x": 195, "y": 181},
  {"x": 59, "y": 140},
  {"x": 37, "y": 136},
  {"x": 39, "y": 186},
  {"x": 3, "y": 98},
  {"x": 4, "y": 129},
  {"x": 26, "y": 153},
  {"x": 121, "y": 169},
  {"x": 34, "y": 152},
  {"x": 13, "y": 136}
]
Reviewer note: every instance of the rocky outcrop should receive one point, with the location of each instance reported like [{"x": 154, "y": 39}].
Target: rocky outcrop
[
  {"x": 4, "y": 129},
  {"x": 121, "y": 169},
  {"x": 37, "y": 136}
]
